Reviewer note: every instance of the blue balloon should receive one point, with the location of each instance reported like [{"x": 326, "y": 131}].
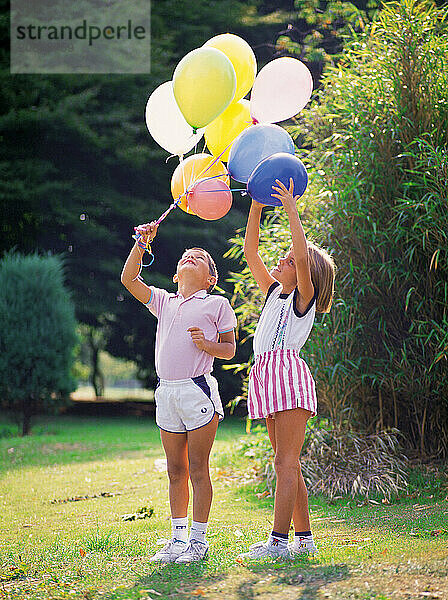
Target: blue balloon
[
  {"x": 281, "y": 166},
  {"x": 253, "y": 145}
]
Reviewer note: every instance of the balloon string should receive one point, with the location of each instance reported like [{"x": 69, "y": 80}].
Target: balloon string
[
  {"x": 217, "y": 191},
  {"x": 214, "y": 161},
  {"x": 186, "y": 188},
  {"x": 214, "y": 177},
  {"x": 169, "y": 209}
]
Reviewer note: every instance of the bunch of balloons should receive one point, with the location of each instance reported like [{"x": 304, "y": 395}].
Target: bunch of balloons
[{"x": 206, "y": 98}]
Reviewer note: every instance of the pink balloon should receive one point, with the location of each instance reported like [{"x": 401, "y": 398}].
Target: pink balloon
[
  {"x": 281, "y": 89},
  {"x": 210, "y": 199}
]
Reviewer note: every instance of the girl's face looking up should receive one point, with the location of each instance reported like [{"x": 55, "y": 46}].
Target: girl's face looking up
[{"x": 285, "y": 271}]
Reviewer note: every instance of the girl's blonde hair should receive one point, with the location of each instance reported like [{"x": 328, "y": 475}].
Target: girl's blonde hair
[{"x": 322, "y": 270}]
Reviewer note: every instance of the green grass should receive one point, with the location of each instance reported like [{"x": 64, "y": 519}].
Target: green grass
[{"x": 51, "y": 547}]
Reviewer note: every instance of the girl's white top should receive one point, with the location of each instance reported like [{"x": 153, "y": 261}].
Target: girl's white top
[{"x": 280, "y": 324}]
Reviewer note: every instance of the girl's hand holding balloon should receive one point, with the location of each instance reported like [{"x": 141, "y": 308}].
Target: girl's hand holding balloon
[{"x": 286, "y": 196}]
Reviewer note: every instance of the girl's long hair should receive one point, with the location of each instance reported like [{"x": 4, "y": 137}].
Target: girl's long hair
[{"x": 322, "y": 270}]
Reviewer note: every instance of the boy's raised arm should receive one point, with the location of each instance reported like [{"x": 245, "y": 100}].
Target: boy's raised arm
[
  {"x": 255, "y": 264},
  {"x": 132, "y": 267}
]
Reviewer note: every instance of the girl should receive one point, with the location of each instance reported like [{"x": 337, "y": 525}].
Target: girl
[{"x": 281, "y": 387}]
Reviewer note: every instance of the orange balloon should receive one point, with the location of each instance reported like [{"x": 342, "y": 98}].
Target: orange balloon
[{"x": 189, "y": 171}]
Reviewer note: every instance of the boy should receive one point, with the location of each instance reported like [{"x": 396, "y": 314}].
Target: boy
[{"x": 193, "y": 328}]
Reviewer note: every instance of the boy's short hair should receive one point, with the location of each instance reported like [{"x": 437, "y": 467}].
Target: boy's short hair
[{"x": 211, "y": 267}]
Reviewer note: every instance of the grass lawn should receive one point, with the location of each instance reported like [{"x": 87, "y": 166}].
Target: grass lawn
[{"x": 54, "y": 547}]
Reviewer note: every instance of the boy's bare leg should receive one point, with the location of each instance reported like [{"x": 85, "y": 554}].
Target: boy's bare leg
[
  {"x": 287, "y": 434},
  {"x": 200, "y": 443},
  {"x": 175, "y": 446}
]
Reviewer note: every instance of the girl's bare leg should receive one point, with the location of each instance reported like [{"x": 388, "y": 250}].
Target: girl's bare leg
[{"x": 287, "y": 434}]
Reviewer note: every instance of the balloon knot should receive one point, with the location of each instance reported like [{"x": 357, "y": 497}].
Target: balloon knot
[
  {"x": 195, "y": 130},
  {"x": 254, "y": 121}
]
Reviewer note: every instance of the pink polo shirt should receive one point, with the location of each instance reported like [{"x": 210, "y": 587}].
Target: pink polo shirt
[{"x": 177, "y": 357}]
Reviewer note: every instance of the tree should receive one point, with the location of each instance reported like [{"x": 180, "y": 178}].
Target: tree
[{"x": 37, "y": 336}]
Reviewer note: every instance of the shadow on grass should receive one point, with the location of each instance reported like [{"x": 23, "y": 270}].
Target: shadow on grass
[
  {"x": 174, "y": 581},
  {"x": 302, "y": 575},
  {"x": 239, "y": 582}
]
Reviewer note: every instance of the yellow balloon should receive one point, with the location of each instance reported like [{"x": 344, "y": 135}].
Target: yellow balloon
[
  {"x": 190, "y": 170},
  {"x": 221, "y": 132},
  {"x": 242, "y": 58},
  {"x": 204, "y": 85}
]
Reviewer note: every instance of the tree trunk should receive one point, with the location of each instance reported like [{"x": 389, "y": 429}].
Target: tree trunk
[
  {"x": 26, "y": 419},
  {"x": 96, "y": 376}
]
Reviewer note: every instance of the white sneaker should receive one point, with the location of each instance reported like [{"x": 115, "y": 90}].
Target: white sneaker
[
  {"x": 169, "y": 552},
  {"x": 296, "y": 548},
  {"x": 262, "y": 550},
  {"x": 194, "y": 552}
]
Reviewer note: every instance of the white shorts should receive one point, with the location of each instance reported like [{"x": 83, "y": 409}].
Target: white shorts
[{"x": 187, "y": 404}]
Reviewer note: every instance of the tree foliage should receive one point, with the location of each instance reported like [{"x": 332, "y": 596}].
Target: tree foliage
[
  {"x": 78, "y": 170},
  {"x": 37, "y": 336}
]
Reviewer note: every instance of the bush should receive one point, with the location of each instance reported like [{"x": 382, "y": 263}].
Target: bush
[
  {"x": 338, "y": 463},
  {"x": 37, "y": 336},
  {"x": 341, "y": 463}
]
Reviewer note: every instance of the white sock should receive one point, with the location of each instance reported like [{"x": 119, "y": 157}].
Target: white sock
[
  {"x": 198, "y": 531},
  {"x": 278, "y": 540},
  {"x": 303, "y": 541},
  {"x": 179, "y": 528}
]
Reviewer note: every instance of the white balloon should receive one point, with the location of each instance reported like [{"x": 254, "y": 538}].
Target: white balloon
[
  {"x": 166, "y": 123},
  {"x": 281, "y": 89}
]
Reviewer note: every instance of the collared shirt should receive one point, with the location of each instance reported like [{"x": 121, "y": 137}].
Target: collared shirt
[{"x": 176, "y": 355}]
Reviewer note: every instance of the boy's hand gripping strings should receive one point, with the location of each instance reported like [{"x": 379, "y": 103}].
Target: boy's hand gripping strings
[{"x": 144, "y": 235}]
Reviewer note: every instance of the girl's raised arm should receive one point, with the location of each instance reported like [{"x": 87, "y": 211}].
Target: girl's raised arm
[
  {"x": 256, "y": 265},
  {"x": 299, "y": 245},
  {"x": 130, "y": 276}
]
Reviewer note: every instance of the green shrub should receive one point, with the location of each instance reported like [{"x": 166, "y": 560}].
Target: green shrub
[
  {"x": 37, "y": 336},
  {"x": 338, "y": 463}
]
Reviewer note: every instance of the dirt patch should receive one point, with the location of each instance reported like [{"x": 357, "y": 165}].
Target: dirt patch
[{"x": 62, "y": 447}]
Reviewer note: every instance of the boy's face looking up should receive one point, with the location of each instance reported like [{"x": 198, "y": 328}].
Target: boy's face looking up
[{"x": 194, "y": 268}]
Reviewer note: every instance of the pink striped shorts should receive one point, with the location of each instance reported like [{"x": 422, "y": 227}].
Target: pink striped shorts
[{"x": 280, "y": 380}]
